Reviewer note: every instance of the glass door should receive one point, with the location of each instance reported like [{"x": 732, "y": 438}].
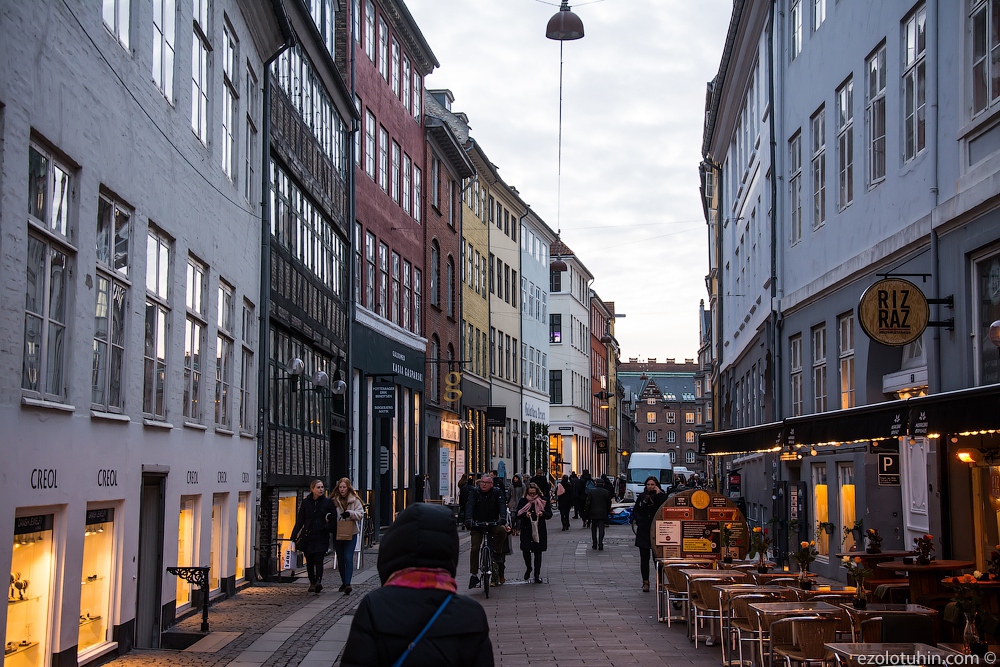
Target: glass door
[{"x": 95, "y": 582}]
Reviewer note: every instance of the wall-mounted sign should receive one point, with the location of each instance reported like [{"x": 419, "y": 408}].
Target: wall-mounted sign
[
  {"x": 496, "y": 415},
  {"x": 888, "y": 469},
  {"x": 384, "y": 400},
  {"x": 893, "y": 312}
]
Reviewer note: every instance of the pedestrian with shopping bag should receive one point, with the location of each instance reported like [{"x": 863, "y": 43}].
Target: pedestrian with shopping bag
[
  {"x": 532, "y": 512},
  {"x": 644, "y": 513},
  {"x": 311, "y": 532},
  {"x": 349, "y": 511}
]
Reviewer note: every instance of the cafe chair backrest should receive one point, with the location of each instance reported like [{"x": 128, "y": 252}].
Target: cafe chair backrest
[
  {"x": 703, "y": 590},
  {"x": 811, "y": 635},
  {"x": 906, "y": 628},
  {"x": 740, "y": 604}
]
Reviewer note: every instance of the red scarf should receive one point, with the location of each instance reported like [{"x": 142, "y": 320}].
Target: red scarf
[{"x": 423, "y": 577}]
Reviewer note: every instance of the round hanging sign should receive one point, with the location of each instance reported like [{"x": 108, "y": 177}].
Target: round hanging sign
[{"x": 893, "y": 312}]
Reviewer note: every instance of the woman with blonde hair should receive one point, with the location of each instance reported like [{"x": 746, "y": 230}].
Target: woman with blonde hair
[{"x": 345, "y": 535}]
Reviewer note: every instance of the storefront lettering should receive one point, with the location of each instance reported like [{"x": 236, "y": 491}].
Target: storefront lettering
[
  {"x": 406, "y": 372},
  {"x": 107, "y": 478},
  {"x": 222, "y": 477},
  {"x": 398, "y": 355},
  {"x": 192, "y": 477},
  {"x": 44, "y": 478},
  {"x": 246, "y": 478}
]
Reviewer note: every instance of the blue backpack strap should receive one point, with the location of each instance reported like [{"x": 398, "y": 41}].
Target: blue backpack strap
[{"x": 424, "y": 631}]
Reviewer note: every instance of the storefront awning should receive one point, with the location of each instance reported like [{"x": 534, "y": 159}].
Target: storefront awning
[
  {"x": 963, "y": 411},
  {"x": 742, "y": 440}
]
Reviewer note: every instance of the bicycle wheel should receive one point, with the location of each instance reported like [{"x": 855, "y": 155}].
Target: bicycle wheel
[
  {"x": 486, "y": 567},
  {"x": 368, "y": 534}
]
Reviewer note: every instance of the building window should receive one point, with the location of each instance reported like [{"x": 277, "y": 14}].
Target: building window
[
  {"x": 370, "y": 271},
  {"x": 875, "y": 110},
  {"x": 555, "y": 387},
  {"x": 845, "y": 326},
  {"x": 821, "y": 507},
  {"x": 795, "y": 28},
  {"x": 383, "y": 48},
  {"x": 250, "y": 138},
  {"x": 163, "y": 45},
  {"x": 432, "y": 369},
  {"x": 795, "y": 187},
  {"x": 819, "y": 13},
  {"x": 671, "y": 437},
  {"x": 689, "y": 437},
  {"x": 407, "y": 91},
  {"x": 111, "y": 313},
  {"x": 915, "y": 81},
  {"x": 370, "y": 144},
  {"x": 985, "y": 54},
  {"x": 417, "y": 97},
  {"x": 671, "y": 416},
  {"x": 248, "y": 378},
  {"x": 395, "y": 172},
  {"x": 819, "y": 368},
  {"x": 394, "y": 75},
  {"x": 848, "y": 503},
  {"x": 795, "y": 372},
  {"x": 116, "y": 19},
  {"x": 845, "y": 143},
  {"x": 416, "y": 302},
  {"x": 394, "y": 313},
  {"x": 383, "y": 159},
  {"x": 986, "y": 278},
  {"x": 555, "y": 328},
  {"x": 224, "y": 356},
  {"x": 450, "y": 288},
  {"x": 200, "y": 48},
  {"x": 650, "y": 417},
  {"x": 43, "y": 369},
  {"x": 157, "y": 312},
  {"x": 194, "y": 338},
  {"x": 383, "y": 283},
  {"x": 688, "y": 417},
  {"x": 416, "y": 193},
  {"x": 689, "y": 456},
  {"x": 407, "y": 182},
  {"x": 818, "y": 124},
  {"x": 407, "y": 296},
  {"x": 435, "y": 277},
  {"x": 370, "y": 30},
  {"x": 650, "y": 436},
  {"x": 229, "y": 102}
]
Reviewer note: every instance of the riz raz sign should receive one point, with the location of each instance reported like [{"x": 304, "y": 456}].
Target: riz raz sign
[{"x": 893, "y": 312}]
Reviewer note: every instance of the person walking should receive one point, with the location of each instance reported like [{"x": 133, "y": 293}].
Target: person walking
[
  {"x": 349, "y": 511},
  {"x": 582, "y": 488},
  {"x": 463, "y": 497},
  {"x": 620, "y": 487},
  {"x": 311, "y": 532},
  {"x": 596, "y": 509},
  {"x": 516, "y": 492},
  {"x": 573, "y": 479},
  {"x": 564, "y": 496},
  {"x": 643, "y": 513},
  {"x": 532, "y": 512},
  {"x": 486, "y": 505},
  {"x": 542, "y": 480},
  {"x": 418, "y": 614}
]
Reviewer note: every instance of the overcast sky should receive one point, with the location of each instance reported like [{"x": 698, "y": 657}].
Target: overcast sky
[{"x": 633, "y": 103}]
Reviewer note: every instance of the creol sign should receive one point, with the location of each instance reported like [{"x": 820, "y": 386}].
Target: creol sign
[{"x": 893, "y": 312}]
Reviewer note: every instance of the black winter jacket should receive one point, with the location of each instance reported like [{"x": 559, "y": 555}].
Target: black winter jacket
[
  {"x": 643, "y": 513},
  {"x": 312, "y": 516},
  {"x": 524, "y": 523},
  {"x": 486, "y": 507},
  {"x": 598, "y": 504}
]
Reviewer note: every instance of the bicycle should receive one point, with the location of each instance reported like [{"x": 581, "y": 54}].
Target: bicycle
[
  {"x": 367, "y": 528},
  {"x": 485, "y": 554}
]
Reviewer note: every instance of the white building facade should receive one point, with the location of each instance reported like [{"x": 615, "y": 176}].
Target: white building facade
[{"x": 130, "y": 161}]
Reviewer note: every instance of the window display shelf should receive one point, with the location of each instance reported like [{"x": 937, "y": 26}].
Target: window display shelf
[
  {"x": 18, "y": 648},
  {"x": 27, "y": 599},
  {"x": 91, "y": 581},
  {"x": 88, "y": 621}
]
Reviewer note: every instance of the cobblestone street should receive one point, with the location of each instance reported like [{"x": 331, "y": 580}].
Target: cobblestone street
[{"x": 588, "y": 611}]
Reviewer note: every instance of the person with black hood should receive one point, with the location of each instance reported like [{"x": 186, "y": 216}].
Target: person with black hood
[
  {"x": 464, "y": 487},
  {"x": 582, "y": 488},
  {"x": 573, "y": 479},
  {"x": 643, "y": 514},
  {"x": 564, "y": 496},
  {"x": 596, "y": 508},
  {"x": 542, "y": 480},
  {"x": 311, "y": 532},
  {"x": 418, "y": 611}
]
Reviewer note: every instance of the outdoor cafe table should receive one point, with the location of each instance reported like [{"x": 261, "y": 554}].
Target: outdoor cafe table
[
  {"x": 874, "y": 609},
  {"x": 726, "y": 594},
  {"x": 925, "y": 579},
  {"x": 769, "y": 612},
  {"x": 823, "y": 590},
  {"x": 691, "y": 574},
  {"x": 849, "y": 653}
]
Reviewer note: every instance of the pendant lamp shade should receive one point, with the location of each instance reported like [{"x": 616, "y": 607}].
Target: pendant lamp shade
[{"x": 564, "y": 25}]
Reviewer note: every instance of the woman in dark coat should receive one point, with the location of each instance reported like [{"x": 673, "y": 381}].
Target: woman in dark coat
[
  {"x": 417, "y": 561},
  {"x": 311, "y": 532},
  {"x": 564, "y": 495},
  {"x": 532, "y": 512},
  {"x": 463, "y": 499},
  {"x": 580, "y": 491},
  {"x": 643, "y": 513}
]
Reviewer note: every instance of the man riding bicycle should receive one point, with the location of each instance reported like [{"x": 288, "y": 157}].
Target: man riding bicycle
[{"x": 486, "y": 505}]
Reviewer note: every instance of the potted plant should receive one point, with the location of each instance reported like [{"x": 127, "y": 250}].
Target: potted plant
[
  {"x": 760, "y": 540},
  {"x": 856, "y": 531},
  {"x": 804, "y": 557},
  {"x": 874, "y": 545},
  {"x": 967, "y": 601},
  {"x": 827, "y": 526},
  {"x": 727, "y": 540},
  {"x": 858, "y": 572},
  {"x": 923, "y": 546}
]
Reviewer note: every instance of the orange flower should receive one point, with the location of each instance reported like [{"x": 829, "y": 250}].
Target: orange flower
[
  {"x": 966, "y": 579},
  {"x": 857, "y": 559}
]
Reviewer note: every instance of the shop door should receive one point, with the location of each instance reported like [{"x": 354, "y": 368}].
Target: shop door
[{"x": 147, "y": 604}]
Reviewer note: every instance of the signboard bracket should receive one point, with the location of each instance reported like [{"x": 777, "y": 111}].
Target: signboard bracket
[{"x": 948, "y": 324}]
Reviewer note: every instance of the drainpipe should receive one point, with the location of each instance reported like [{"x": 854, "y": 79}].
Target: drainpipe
[
  {"x": 775, "y": 312},
  {"x": 352, "y": 302},
  {"x": 263, "y": 387}
]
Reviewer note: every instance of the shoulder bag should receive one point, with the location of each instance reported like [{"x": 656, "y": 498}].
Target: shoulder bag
[{"x": 423, "y": 632}]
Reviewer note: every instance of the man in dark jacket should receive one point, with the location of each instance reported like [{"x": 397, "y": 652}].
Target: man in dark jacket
[
  {"x": 542, "y": 480},
  {"x": 583, "y": 486},
  {"x": 417, "y": 562},
  {"x": 486, "y": 505},
  {"x": 311, "y": 532},
  {"x": 596, "y": 509}
]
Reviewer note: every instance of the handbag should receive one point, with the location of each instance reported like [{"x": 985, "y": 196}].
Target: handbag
[
  {"x": 345, "y": 530},
  {"x": 410, "y": 647}
]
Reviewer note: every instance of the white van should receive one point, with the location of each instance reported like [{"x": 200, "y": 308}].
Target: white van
[
  {"x": 644, "y": 464},
  {"x": 682, "y": 474}
]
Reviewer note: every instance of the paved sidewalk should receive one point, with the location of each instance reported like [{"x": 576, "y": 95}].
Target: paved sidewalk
[{"x": 589, "y": 611}]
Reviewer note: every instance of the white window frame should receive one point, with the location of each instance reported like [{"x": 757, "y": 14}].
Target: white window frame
[
  {"x": 845, "y": 144},
  {"x": 230, "y": 100},
  {"x": 395, "y": 64},
  {"x": 819, "y": 14},
  {"x": 370, "y": 31},
  {"x": 671, "y": 437},
  {"x": 795, "y": 28},
  {"x": 371, "y": 149},
  {"x": 651, "y": 436},
  {"x": 112, "y": 287},
  {"x": 154, "y": 376},
  {"x": 383, "y": 159},
  {"x": 417, "y": 208},
  {"x": 795, "y": 373},
  {"x": 394, "y": 173},
  {"x": 224, "y": 355},
  {"x": 250, "y": 137},
  {"x": 983, "y": 56},
  {"x": 875, "y": 96},
  {"x": 383, "y": 48},
  {"x": 914, "y": 107},
  {"x": 164, "y": 35},
  {"x": 795, "y": 187},
  {"x": 689, "y": 455},
  {"x": 845, "y": 346},
  {"x": 817, "y": 126},
  {"x": 116, "y": 20},
  {"x": 407, "y": 183},
  {"x": 819, "y": 372},
  {"x": 200, "y": 48},
  {"x": 195, "y": 329}
]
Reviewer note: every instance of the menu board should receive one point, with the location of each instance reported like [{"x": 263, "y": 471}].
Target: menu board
[{"x": 689, "y": 525}]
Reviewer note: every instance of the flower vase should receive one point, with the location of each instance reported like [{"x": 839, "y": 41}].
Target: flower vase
[
  {"x": 762, "y": 569},
  {"x": 922, "y": 559},
  {"x": 727, "y": 559},
  {"x": 805, "y": 583},
  {"x": 872, "y": 550},
  {"x": 860, "y": 597},
  {"x": 970, "y": 637}
]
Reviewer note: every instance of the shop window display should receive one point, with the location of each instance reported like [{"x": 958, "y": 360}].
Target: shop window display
[
  {"x": 215, "y": 553},
  {"x": 95, "y": 584},
  {"x": 287, "y": 507},
  {"x": 242, "y": 519},
  {"x": 28, "y": 598},
  {"x": 185, "y": 546}
]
